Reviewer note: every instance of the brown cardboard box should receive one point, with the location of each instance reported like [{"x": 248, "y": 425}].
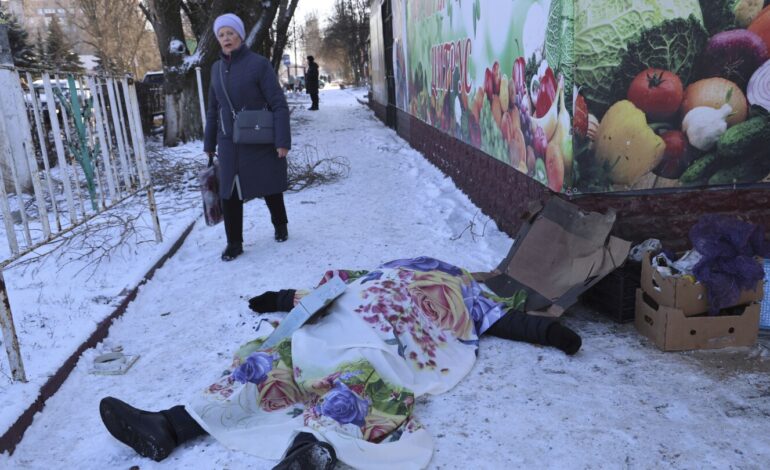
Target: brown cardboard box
[
  {"x": 671, "y": 330},
  {"x": 560, "y": 251},
  {"x": 684, "y": 295}
]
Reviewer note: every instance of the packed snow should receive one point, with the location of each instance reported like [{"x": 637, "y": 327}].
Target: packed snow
[{"x": 618, "y": 403}]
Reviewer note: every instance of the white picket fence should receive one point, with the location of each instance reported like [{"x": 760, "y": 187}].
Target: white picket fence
[{"x": 98, "y": 164}]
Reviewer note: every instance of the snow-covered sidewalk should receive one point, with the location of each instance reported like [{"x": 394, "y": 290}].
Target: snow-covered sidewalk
[{"x": 619, "y": 403}]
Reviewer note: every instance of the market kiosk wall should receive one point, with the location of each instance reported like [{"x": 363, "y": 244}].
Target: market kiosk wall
[{"x": 656, "y": 108}]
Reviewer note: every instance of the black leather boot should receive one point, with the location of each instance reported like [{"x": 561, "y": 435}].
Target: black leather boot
[
  {"x": 564, "y": 338},
  {"x": 281, "y": 232},
  {"x": 232, "y": 251},
  {"x": 149, "y": 433},
  {"x": 308, "y": 453},
  {"x": 519, "y": 326},
  {"x": 152, "y": 434}
]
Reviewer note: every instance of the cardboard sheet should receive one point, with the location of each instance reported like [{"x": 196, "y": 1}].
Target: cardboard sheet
[{"x": 559, "y": 253}]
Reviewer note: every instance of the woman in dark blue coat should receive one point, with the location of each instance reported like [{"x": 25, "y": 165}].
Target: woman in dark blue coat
[{"x": 246, "y": 171}]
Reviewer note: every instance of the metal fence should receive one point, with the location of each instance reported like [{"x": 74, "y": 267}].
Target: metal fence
[
  {"x": 72, "y": 146},
  {"x": 152, "y": 103}
]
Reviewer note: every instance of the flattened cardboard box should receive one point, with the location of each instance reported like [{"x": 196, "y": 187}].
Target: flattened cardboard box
[
  {"x": 682, "y": 294},
  {"x": 559, "y": 252},
  {"x": 671, "y": 330}
]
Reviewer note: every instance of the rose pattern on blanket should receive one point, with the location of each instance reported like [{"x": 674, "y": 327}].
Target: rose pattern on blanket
[
  {"x": 425, "y": 264},
  {"x": 417, "y": 311},
  {"x": 355, "y": 394},
  {"x": 483, "y": 310},
  {"x": 254, "y": 369},
  {"x": 343, "y": 405},
  {"x": 346, "y": 275},
  {"x": 271, "y": 371},
  {"x": 424, "y": 311}
]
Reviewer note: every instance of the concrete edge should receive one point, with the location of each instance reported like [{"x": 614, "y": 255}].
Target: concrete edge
[{"x": 15, "y": 432}]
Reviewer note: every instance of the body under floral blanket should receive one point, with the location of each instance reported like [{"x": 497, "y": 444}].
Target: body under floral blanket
[{"x": 408, "y": 328}]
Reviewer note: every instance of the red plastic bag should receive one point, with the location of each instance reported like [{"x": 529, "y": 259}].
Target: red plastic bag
[{"x": 209, "y": 183}]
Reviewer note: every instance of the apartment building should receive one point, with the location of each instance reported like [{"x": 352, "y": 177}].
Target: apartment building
[{"x": 35, "y": 15}]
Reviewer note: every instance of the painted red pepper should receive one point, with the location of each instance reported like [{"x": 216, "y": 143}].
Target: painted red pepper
[
  {"x": 546, "y": 94},
  {"x": 518, "y": 74}
]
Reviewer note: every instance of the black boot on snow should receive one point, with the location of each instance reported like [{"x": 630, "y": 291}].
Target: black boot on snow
[
  {"x": 281, "y": 233},
  {"x": 232, "y": 251},
  {"x": 149, "y": 433},
  {"x": 308, "y": 453},
  {"x": 564, "y": 338}
]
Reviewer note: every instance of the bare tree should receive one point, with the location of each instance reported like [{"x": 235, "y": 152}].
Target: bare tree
[
  {"x": 347, "y": 35},
  {"x": 285, "y": 14},
  {"x": 117, "y": 31},
  {"x": 332, "y": 57},
  {"x": 182, "y": 116},
  {"x": 313, "y": 37}
]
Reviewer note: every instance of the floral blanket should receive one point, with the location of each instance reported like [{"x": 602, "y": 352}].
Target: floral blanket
[{"x": 408, "y": 328}]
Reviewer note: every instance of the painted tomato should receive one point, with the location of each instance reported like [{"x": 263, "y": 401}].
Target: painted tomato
[
  {"x": 580, "y": 120},
  {"x": 554, "y": 167},
  {"x": 676, "y": 157},
  {"x": 657, "y": 92}
]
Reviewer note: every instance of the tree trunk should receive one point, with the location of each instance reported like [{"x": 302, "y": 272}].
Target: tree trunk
[
  {"x": 285, "y": 15},
  {"x": 166, "y": 20},
  {"x": 258, "y": 22},
  {"x": 15, "y": 133},
  {"x": 183, "y": 121}
]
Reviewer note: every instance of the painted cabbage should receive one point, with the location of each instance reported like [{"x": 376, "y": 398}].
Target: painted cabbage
[
  {"x": 722, "y": 15},
  {"x": 614, "y": 35},
  {"x": 559, "y": 49}
]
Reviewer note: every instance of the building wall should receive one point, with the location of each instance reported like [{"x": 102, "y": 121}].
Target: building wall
[
  {"x": 35, "y": 15},
  {"x": 503, "y": 193},
  {"x": 436, "y": 110},
  {"x": 377, "y": 54},
  {"x": 15, "y": 7}
]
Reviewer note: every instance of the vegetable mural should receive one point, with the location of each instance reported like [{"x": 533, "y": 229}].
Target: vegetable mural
[
  {"x": 595, "y": 96},
  {"x": 680, "y": 90}
]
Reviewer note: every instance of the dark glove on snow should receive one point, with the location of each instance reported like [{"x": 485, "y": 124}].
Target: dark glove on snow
[
  {"x": 272, "y": 301},
  {"x": 560, "y": 336}
]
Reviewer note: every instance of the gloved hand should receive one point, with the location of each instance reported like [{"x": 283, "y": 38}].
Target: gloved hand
[
  {"x": 266, "y": 302},
  {"x": 272, "y": 301}
]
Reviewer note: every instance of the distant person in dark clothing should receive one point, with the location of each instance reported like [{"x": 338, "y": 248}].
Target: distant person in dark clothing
[{"x": 311, "y": 81}]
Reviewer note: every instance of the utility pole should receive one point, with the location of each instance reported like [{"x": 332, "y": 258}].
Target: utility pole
[{"x": 294, "y": 35}]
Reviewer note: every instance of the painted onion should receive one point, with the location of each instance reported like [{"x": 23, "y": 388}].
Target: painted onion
[{"x": 758, "y": 91}]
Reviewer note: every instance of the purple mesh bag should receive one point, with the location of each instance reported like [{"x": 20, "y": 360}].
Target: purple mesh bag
[{"x": 729, "y": 247}]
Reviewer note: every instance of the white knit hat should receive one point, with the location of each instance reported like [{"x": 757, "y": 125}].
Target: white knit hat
[{"x": 231, "y": 20}]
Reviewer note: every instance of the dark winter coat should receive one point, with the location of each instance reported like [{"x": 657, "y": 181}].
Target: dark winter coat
[
  {"x": 251, "y": 84},
  {"x": 311, "y": 78}
]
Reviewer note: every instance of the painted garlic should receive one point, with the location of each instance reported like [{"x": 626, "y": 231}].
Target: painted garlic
[{"x": 704, "y": 125}]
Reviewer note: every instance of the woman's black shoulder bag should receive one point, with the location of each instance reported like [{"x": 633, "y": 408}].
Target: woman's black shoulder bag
[{"x": 250, "y": 126}]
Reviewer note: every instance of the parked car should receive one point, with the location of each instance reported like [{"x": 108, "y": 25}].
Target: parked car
[
  {"x": 301, "y": 80},
  {"x": 152, "y": 102},
  {"x": 61, "y": 84},
  {"x": 38, "y": 89},
  {"x": 153, "y": 78}
]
